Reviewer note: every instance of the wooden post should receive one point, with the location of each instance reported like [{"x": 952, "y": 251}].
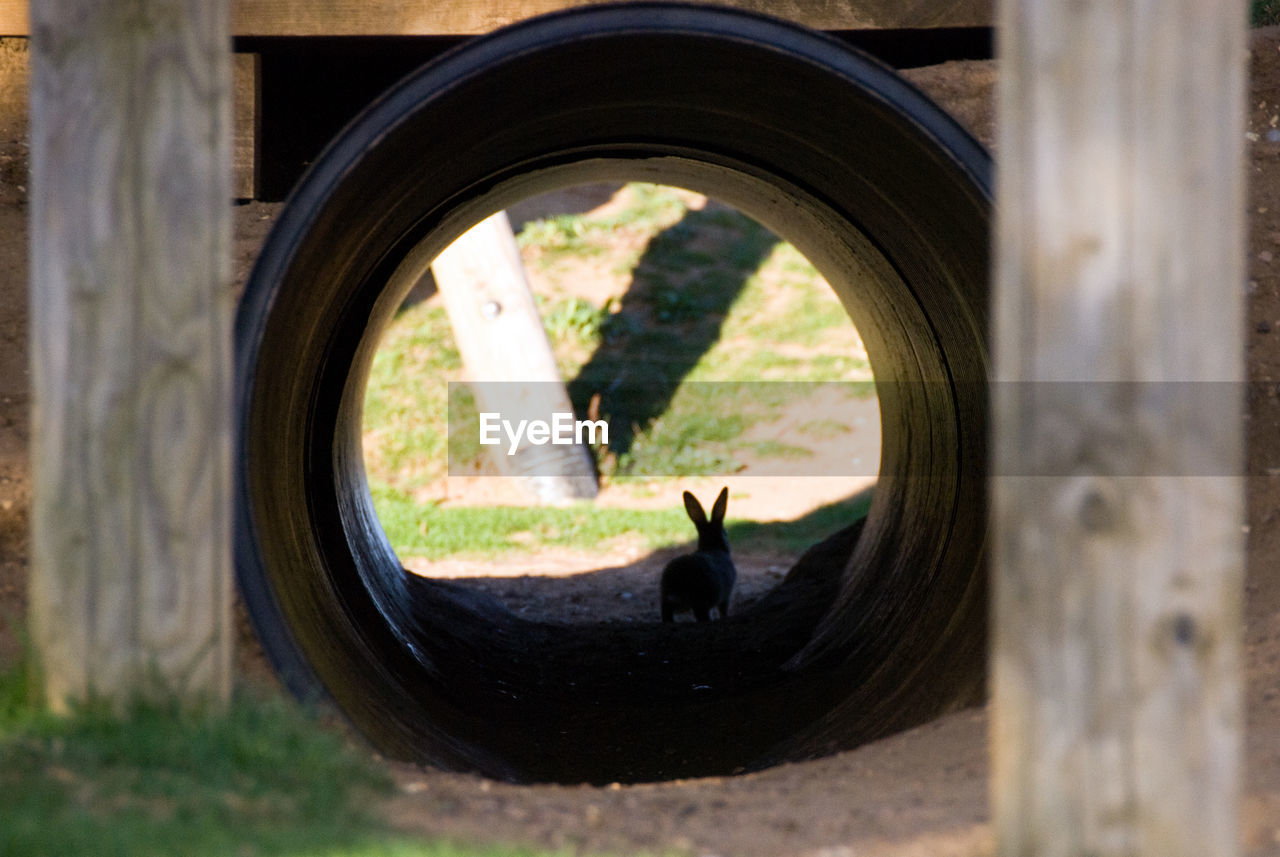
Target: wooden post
[
  {"x": 1118, "y": 500},
  {"x": 130, "y": 334},
  {"x": 246, "y": 124},
  {"x": 499, "y": 334},
  {"x": 471, "y": 17}
]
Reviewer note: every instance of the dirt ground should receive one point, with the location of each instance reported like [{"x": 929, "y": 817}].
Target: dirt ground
[{"x": 920, "y": 793}]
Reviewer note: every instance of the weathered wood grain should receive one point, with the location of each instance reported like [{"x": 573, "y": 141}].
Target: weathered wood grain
[
  {"x": 15, "y": 19},
  {"x": 1118, "y": 435},
  {"x": 469, "y": 17},
  {"x": 246, "y": 106},
  {"x": 130, "y": 338}
]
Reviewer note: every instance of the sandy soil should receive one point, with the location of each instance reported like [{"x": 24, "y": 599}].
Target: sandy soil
[{"x": 920, "y": 793}]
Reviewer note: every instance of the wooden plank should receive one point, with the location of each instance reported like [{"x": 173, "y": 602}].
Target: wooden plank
[
  {"x": 245, "y": 124},
  {"x": 14, "y": 18},
  {"x": 130, "y": 336},
  {"x": 504, "y": 347},
  {"x": 1118, "y": 501},
  {"x": 469, "y": 17}
]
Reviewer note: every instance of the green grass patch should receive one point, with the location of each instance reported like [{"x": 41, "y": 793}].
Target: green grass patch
[
  {"x": 161, "y": 779},
  {"x": 794, "y": 537},
  {"x": 259, "y": 778},
  {"x": 485, "y": 531},
  {"x": 406, "y": 401},
  {"x": 552, "y": 240},
  {"x": 481, "y": 532},
  {"x": 576, "y": 319},
  {"x": 1264, "y": 13}
]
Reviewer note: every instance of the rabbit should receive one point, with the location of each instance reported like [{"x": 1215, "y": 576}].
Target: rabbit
[{"x": 703, "y": 579}]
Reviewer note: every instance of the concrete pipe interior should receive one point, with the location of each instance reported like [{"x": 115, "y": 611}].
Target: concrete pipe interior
[{"x": 877, "y": 628}]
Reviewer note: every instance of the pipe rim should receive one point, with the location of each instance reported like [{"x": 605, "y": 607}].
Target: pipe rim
[{"x": 326, "y": 596}]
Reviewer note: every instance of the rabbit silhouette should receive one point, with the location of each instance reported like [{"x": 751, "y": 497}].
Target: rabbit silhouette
[{"x": 703, "y": 579}]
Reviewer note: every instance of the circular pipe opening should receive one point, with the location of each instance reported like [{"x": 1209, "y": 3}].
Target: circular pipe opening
[
  {"x": 664, "y": 308},
  {"x": 877, "y": 628}
]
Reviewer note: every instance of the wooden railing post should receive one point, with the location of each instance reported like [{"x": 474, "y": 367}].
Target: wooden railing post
[
  {"x": 130, "y": 338},
  {"x": 1118, "y": 498},
  {"x": 509, "y": 361}
]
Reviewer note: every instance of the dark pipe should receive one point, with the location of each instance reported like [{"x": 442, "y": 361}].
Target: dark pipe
[{"x": 880, "y": 628}]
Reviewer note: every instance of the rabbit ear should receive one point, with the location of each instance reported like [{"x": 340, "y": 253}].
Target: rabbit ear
[
  {"x": 721, "y": 505},
  {"x": 694, "y": 508}
]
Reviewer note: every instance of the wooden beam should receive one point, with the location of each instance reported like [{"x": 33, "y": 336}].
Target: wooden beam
[
  {"x": 1118, "y": 501},
  {"x": 130, "y": 336},
  {"x": 471, "y": 17},
  {"x": 15, "y": 19},
  {"x": 509, "y": 361},
  {"x": 246, "y": 124}
]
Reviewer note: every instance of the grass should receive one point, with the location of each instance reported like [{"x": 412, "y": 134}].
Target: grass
[
  {"x": 480, "y": 531},
  {"x": 793, "y": 537},
  {"x": 259, "y": 778},
  {"x": 550, "y": 241},
  {"x": 700, "y": 306},
  {"x": 1264, "y": 13},
  {"x": 485, "y": 531},
  {"x": 406, "y": 402}
]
